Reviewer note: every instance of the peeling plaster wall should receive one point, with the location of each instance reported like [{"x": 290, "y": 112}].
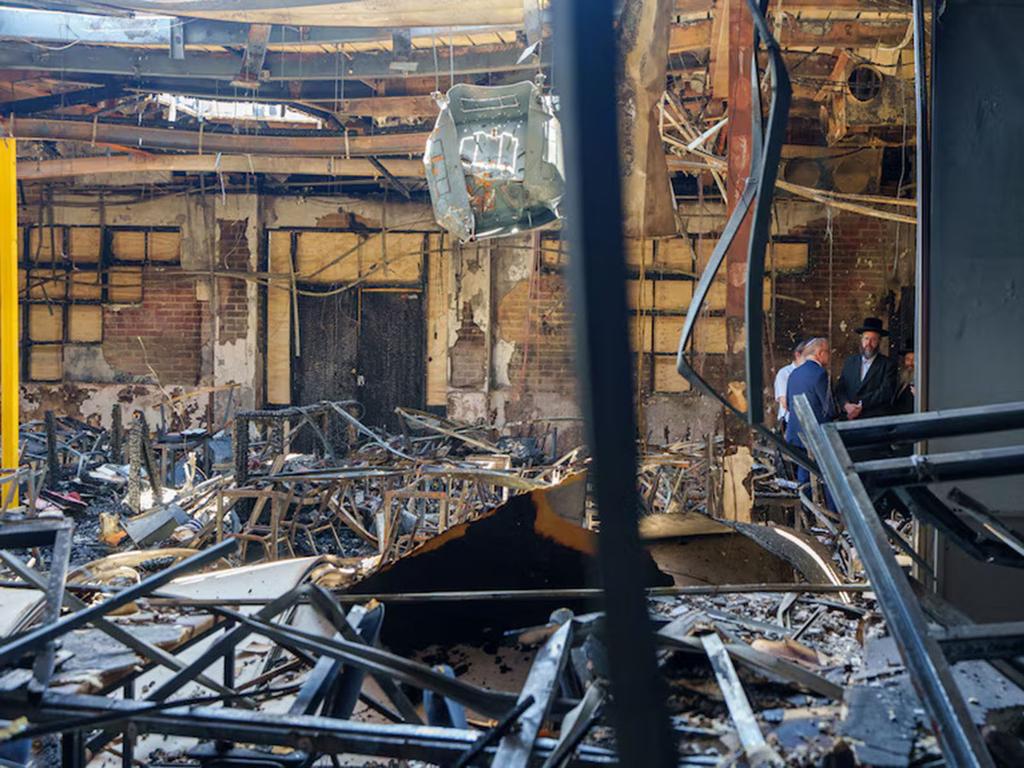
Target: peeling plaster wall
[
  {"x": 235, "y": 339},
  {"x": 84, "y": 400},
  {"x": 469, "y": 316},
  {"x": 509, "y": 343}
]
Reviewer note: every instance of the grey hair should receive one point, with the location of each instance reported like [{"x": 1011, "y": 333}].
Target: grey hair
[{"x": 811, "y": 347}]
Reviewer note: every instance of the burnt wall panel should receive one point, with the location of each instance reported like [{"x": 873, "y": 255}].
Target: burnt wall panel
[
  {"x": 391, "y": 354},
  {"x": 327, "y": 341},
  {"x": 975, "y": 308}
]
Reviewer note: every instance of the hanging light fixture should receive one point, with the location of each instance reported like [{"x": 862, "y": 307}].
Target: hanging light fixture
[{"x": 494, "y": 161}]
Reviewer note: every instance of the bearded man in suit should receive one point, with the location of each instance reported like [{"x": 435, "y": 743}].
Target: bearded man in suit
[{"x": 867, "y": 385}]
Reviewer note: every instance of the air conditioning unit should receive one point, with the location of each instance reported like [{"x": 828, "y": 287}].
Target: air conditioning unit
[
  {"x": 494, "y": 161},
  {"x": 860, "y": 97}
]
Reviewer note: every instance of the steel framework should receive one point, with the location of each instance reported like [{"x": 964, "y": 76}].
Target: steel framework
[{"x": 857, "y": 486}]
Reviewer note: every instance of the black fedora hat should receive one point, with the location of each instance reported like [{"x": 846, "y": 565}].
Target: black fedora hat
[{"x": 872, "y": 324}]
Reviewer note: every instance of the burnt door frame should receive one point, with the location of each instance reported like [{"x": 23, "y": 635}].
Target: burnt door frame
[{"x": 419, "y": 287}]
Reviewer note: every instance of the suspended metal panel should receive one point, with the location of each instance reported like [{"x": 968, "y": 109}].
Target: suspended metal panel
[{"x": 494, "y": 161}]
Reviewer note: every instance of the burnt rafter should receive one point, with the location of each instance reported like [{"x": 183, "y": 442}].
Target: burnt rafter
[
  {"x": 61, "y": 27},
  {"x": 277, "y": 66},
  {"x": 59, "y": 100},
  {"x": 317, "y": 143}
]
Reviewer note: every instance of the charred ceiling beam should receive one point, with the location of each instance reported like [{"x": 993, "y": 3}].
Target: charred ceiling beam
[
  {"x": 312, "y": 110},
  {"x": 47, "y": 170},
  {"x": 58, "y": 100},
  {"x": 643, "y": 44},
  {"x": 290, "y": 67},
  {"x": 392, "y": 180},
  {"x": 324, "y": 92},
  {"x": 279, "y": 142},
  {"x": 801, "y": 32},
  {"x": 363, "y": 13},
  {"x": 389, "y": 106}
]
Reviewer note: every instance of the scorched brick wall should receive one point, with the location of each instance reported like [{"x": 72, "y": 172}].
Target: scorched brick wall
[
  {"x": 167, "y": 322},
  {"x": 534, "y": 315},
  {"x": 233, "y": 304},
  {"x": 864, "y": 281}
]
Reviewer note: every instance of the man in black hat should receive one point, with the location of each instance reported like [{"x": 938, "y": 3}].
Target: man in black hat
[{"x": 868, "y": 382}]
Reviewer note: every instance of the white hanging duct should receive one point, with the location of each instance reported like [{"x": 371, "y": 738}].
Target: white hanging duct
[{"x": 494, "y": 161}]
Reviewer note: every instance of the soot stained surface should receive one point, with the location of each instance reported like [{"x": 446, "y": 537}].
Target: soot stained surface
[{"x": 498, "y": 552}]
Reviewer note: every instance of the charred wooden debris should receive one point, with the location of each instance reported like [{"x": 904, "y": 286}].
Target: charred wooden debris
[{"x": 304, "y": 589}]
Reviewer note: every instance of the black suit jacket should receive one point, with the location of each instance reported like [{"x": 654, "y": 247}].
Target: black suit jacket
[
  {"x": 877, "y": 390},
  {"x": 903, "y": 402}
]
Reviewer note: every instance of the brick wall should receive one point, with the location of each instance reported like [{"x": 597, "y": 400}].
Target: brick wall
[
  {"x": 167, "y": 321},
  {"x": 863, "y": 281},
  {"x": 535, "y": 316},
  {"x": 233, "y": 307}
]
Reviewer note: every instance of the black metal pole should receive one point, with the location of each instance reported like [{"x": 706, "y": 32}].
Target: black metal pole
[
  {"x": 585, "y": 62},
  {"x": 923, "y": 186}
]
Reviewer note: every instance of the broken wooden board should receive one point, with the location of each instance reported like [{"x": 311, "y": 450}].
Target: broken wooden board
[{"x": 737, "y": 497}]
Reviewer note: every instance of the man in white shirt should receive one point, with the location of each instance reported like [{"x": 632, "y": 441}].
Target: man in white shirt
[{"x": 782, "y": 380}]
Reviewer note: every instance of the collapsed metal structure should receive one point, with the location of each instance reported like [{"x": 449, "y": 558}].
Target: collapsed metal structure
[
  {"x": 857, "y": 486},
  {"x": 88, "y": 723},
  {"x": 556, "y": 682}
]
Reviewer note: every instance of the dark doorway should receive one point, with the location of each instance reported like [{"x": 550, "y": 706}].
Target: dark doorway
[
  {"x": 391, "y": 364},
  {"x": 328, "y": 342}
]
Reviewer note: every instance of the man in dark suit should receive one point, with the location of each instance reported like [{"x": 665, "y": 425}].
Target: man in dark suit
[
  {"x": 903, "y": 402},
  {"x": 867, "y": 384},
  {"x": 810, "y": 378}
]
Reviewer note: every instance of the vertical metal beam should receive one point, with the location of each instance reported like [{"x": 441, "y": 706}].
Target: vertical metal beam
[
  {"x": 8, "y": 308},
  {"x": 767, "y": 151},
  {"x": 741, "y": 152},
  {"x": 922, "y": 167},
  {"x": 116, "y": 433},
  {"x": 42, "y": 669},
  {"x": 586, "y": 62},
  {"x": 255, "y": 54},
  {"x": 52, "y": 462}
]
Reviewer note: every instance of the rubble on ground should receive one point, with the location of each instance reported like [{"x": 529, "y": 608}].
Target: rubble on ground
[{"x": 311, "y": 589}]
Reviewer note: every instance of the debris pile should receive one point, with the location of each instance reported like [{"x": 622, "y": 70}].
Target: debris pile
[{"x": 307, "y": 589}]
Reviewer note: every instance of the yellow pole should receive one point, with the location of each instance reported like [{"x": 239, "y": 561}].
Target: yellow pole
[{"x": 8, "y": 309}]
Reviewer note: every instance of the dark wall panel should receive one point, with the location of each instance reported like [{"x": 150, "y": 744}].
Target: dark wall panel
[
  {"x": 328, "y": 341},
  {"x": 975, "y": 312},
  {"x": 391, "y": 350}
]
